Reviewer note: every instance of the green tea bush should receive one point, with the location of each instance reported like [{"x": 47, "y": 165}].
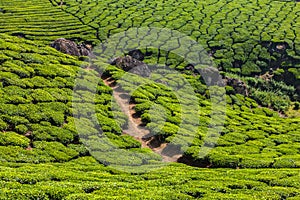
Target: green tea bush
[
  {"x": 256, "y": 161},
  {"x": 13, "y": 139},
  {"x": 51, "y": 133},
  {"x": 56, "y": 150},
  {"x": 242, "y": 37},
  {"x": 23, "y": 194},
  {"x": 109, "y": 123},
  {"x": 3, "y": 125},
  {"x": 123, "y": 141},
  {"x": 289, "y": 161},
  {"x": 270, "y": 99}
]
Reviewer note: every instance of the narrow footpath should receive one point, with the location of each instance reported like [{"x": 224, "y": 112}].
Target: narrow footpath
[{"x": 135, "y": 127}]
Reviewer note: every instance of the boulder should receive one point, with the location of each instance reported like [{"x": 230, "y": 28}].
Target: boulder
[
  {"x": 130, "y": 64},
  {"x": 239, "y": 86},
  {"x": 211, "y": 76},
  {"x": 70, "y": 47},
  {"x": 84, "y": 50},
  {"x": 137, "y": 54}
]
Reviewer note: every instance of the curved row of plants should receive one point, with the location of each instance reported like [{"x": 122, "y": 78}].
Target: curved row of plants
[
  {"x": 252, "y": 136},
  {"x": 245, "y": 38},
  {"x": 37, "y": 109},
  {"x": 85, "y": 178}
]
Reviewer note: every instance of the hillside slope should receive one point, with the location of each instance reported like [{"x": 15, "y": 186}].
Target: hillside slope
[{"x": 64, "y": 135}]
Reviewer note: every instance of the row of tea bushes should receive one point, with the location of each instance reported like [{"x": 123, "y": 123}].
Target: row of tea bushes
[
  {"x": 243, "y": 37},
  {"x": 245, "y": 140},
  {"x": 43, "y": 96},
  {"x": 42, "y": 21},
  {"x": 84, "y": 178}
]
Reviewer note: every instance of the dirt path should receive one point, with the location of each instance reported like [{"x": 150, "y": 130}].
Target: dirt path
[{"x": 135, "y": 128}]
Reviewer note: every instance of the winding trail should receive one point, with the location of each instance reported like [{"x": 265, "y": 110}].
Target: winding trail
[{"x": 135, "y": 127}]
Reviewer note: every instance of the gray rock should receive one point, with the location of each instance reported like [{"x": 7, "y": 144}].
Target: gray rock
[
  {"x": 239, "y": 86},
  {"x": 130, "y": 64},
  {"x": 211, "y": 76},
  {"x": 70, "y": 47},
  {"x": 137, "y": 54}
]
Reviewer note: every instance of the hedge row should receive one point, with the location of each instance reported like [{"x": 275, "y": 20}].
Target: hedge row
[{"x": 84, "y": 178}]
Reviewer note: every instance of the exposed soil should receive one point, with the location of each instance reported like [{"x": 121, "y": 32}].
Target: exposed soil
[{"x": 136, "y": 129}]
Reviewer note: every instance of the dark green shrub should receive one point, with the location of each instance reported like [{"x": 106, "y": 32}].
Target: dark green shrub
[
  {"x": 296, "y": 105},
  {"x": 229, "y": 90},
  {"x": 250, "y": 68}
]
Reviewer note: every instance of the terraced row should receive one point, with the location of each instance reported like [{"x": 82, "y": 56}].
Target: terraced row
[
  {"x": 243, "y": 37},
  {"x": 37, "y": 124},
  {"x": 36, "y": 115},
  {"x": 235, "y": 33},
  {"x": 244, "y": 141},
  {"x": 84, "y": 178},
  {"x": 42, "y": 21}
]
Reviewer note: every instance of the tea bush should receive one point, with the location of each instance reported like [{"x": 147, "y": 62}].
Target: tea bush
[{"x": 39, "y": 125}]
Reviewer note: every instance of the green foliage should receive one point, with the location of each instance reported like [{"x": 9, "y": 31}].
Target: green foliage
[
  {"x": 84, "y": 178},
  {"x": 270, "y": 99},
  {"x": 3, "y": 125},
  {"x": 13, "y": 139},
  {"x": 123, "y": 142},
  {"x": 36, "y": 88},
  {"x": 56, "y": 150},
  {"x": 51, "y": 133}
]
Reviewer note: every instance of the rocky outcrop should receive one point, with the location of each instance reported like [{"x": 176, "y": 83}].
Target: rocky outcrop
[
  {"x": 70, "y": 47},
  {"x": 211, "y": 76},
  {"x": 137, "y": 54},
  {"x": 130, "y": 64},
  {"x": 84, "y": 50},
  {"x": 239, "y": 86}
]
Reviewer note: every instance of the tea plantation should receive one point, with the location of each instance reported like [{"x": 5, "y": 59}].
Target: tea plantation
[
  {"x": 234, "y": 144},
  {"x": 84, "y": 178}
]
